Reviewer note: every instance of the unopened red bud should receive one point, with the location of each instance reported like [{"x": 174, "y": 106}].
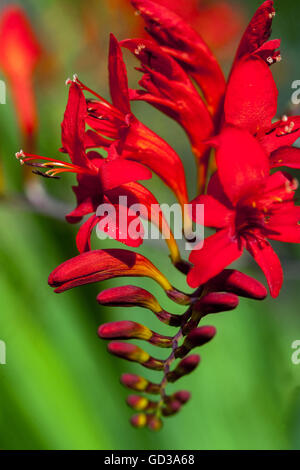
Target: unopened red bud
[
  {"x": 128, "y": 351},
  {"x": 124, "y": 330},
  {"x": 133, "y": 353},
  {"x": 135, "y": 382},
  {"x": 154, "y": 423},
  {"x": 172, "y": 408},
  {"x": 137, "y": 403},
  {"x": 231, "y": 280},
  {"x": 139, "y": 421},
  {"x": 197, "y": 337},
  {"x": 129, "y": 296},
  {"x": 183, "y": 396},
  {"x": 185, "y": 367},
  {"x": 132, "y": 296},
  {"x": 216, "y": 302}
]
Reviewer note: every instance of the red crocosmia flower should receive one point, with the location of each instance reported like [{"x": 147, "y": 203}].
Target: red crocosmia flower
[
  {"x": 96, "y": 176},
  {"x": 251, "y": 96},
  {"x": 184, "y": 44},
  {"x": 168, "y": 88},
  {"x": 19, "y": 55},
  {"x": 118, "y": 131},
  {"x": 247, "y": 207}
]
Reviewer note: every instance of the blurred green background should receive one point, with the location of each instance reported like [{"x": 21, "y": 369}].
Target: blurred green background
[{"x": 60, "y": 389}]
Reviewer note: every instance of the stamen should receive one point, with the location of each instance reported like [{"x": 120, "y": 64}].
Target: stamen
[
  {"x": 284, "y": 118},
  {"x": 139, "y": 48},
  {"x": 270, "y": 60}
]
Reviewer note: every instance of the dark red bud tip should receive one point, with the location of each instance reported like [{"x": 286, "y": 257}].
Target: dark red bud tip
[
  {"x": 139, "y": 420},
  {"x": 172, "y": 408},
  {"x": 183, "y": 396},
  {"x": 185, "y": 366},
  {"x": 130, "y": 352},
  {"x": 124, "y": 330},
  {"x": 134, "y": 382},
  {"x": 189, "y": 364},
  {"x": 129, "y": 296},
  {"x": 201, "y": 335},
  {"x": 216, "y": 302},
  {"x": 154, "y": 423},
  {"x": 238, "y": 283},
  {"x": 137, "y": 403}
]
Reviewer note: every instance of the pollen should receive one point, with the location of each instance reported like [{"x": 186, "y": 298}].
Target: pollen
[
  {"x": 139, "y": 48},
  {"x": 289, "y": 128}
]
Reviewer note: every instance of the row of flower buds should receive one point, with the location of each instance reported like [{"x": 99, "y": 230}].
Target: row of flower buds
[{"x": 219, "y": 295}]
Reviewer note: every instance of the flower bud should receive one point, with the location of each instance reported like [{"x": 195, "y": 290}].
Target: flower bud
[
  {"x": 185, "y": 367},
  {"x": 135, "y": 382},
  {"x": 154, "y": 423},
  {"x": 129, "y": 296},
  {"x": 197, "y": 337},
  {"x": 132, "y": 296},
  {"x": 137, "y": 403},
  {"x": 124, "y": 330},
  {"x": 216, "y": 302},
  {"x": 139, "y": 420},
  {"x": 231, "y": 280},
  {"x": 133, "y": 353}
]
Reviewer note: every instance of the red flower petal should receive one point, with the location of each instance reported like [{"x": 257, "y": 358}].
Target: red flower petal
[
  {"x": 251, "y": 97},
  {"x": 145, "y": 146},
  {"x": 242, "y": 164},
  {"x": 266, "y": 258},
  {"x": 281, "y": 134},
  {"x": 117, "y": 172},
  {"x": 170, "y": 90},
  {"x": 284, "y": 224},
  {"x": 218, "y": 252},
  {"x": 258, "y": 30},
  {"x": 73, "y": 126},
  {"x": 118, "y": 81},
  {"x": 215, "y": 213},
  {"x": 286, "y": 156},
  {"x": 83, "y": 239}
]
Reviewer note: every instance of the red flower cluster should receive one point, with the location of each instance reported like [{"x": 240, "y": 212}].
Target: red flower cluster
[{"x": 245, "y": 200}]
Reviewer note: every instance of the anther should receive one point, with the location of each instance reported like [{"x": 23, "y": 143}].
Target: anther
[
  {"x": 284, "y": 118},
  {"x": 20, "y": 154},
  {"x": 270, "y": 60}
]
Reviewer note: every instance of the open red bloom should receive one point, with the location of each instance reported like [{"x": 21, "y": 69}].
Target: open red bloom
[
  {"x": 247, "y": 207},
  {"x": 98, "y": 178},
  {"x": 119, "y": 132},
  {"x": 19, "y": 55},
  {"x": 251, "y": 96}
]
